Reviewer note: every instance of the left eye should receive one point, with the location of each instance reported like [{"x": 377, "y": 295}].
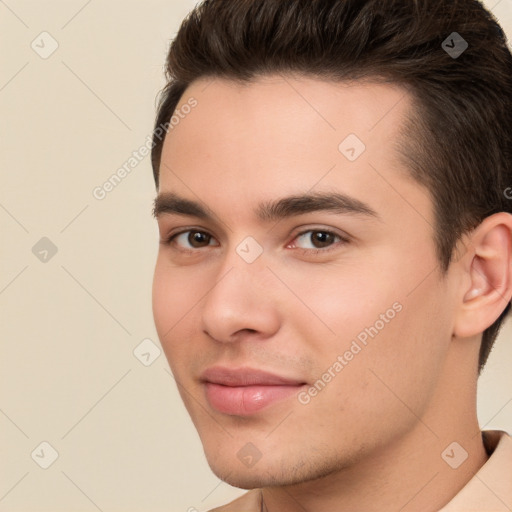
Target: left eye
[{"x": 317, "y": 239}]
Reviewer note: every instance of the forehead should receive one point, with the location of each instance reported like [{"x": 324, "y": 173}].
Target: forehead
[
  {"x": 279, "y": 113},
  {"x": 360, "y": 105},
  {"x": 283, "y": 134}
]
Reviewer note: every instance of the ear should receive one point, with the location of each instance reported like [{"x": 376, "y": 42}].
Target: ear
[{"x": 487, "y": 282}]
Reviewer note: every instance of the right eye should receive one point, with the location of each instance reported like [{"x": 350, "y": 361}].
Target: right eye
[{"x": 189, "y": 240}]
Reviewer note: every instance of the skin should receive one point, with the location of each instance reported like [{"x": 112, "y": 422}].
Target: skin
[{"x": 372, "y": 438}]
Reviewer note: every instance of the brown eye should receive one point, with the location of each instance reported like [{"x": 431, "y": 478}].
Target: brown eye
[
  {"x": 318, "y": 239},
  {"x": 198, "y": 239},
  {"x": 190, "y": 239},
  {"x": 322, "y": 239}
]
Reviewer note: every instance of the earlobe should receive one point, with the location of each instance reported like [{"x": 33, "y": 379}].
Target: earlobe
[{"x": 488, "y": 265}]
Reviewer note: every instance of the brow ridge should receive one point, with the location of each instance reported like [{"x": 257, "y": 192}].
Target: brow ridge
[{"x": 272, "y": 210}]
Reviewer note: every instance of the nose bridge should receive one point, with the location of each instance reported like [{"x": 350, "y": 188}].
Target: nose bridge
[
  {"x": 247, "y": 261},
  {"x": 238, "y": 299}
]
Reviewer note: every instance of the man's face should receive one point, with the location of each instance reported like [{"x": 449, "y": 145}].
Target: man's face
[{"x": 337, "y": 304}]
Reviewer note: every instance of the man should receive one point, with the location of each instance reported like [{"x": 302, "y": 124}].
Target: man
[{"x": 335, "y": 258}]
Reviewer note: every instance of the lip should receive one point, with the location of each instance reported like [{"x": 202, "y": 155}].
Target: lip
[{"x": 245, "y": 391}]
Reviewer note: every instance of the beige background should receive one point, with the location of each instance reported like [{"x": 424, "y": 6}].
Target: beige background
[{"x": 69, "y": 326}]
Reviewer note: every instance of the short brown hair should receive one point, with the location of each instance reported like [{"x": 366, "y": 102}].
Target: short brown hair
[{"x": 457, "y": 141}]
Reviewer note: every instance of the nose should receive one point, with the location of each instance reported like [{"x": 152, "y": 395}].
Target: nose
[{"x": 242, "y": 302}]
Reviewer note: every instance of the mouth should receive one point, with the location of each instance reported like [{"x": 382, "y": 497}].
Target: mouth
[{"x": 245, "y": 391}]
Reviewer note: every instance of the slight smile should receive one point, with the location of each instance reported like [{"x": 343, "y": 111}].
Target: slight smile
[{"x": 245, "y": 391}]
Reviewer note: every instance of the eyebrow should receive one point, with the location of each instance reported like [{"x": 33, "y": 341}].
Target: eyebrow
[{"x": 270, "y": 211}]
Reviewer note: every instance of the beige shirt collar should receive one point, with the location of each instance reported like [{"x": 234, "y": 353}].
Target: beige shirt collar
[{"x": 490, "y": 490}]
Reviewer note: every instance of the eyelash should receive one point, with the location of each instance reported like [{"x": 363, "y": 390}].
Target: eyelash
[{"x": 342, "y": 240}]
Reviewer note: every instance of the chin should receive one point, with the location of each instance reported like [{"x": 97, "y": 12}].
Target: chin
[
  {"x": 264, "y": 473},
  {"x": 246, "y": 482},
  {"x": 237, "y": 476}
]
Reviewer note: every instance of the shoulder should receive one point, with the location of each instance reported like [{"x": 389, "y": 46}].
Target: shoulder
[{"x": 248, "y": 502}]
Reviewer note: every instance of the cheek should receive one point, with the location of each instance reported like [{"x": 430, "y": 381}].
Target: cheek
[
  {"x": 415, "y": 346},
  {"x": 164, "y": 299},
  {"x": 393, "y": 334},
  {"x": 390, "y": 381},
  {"x": 175, "y": 293},
  {"x": 334, "y": 303}
]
